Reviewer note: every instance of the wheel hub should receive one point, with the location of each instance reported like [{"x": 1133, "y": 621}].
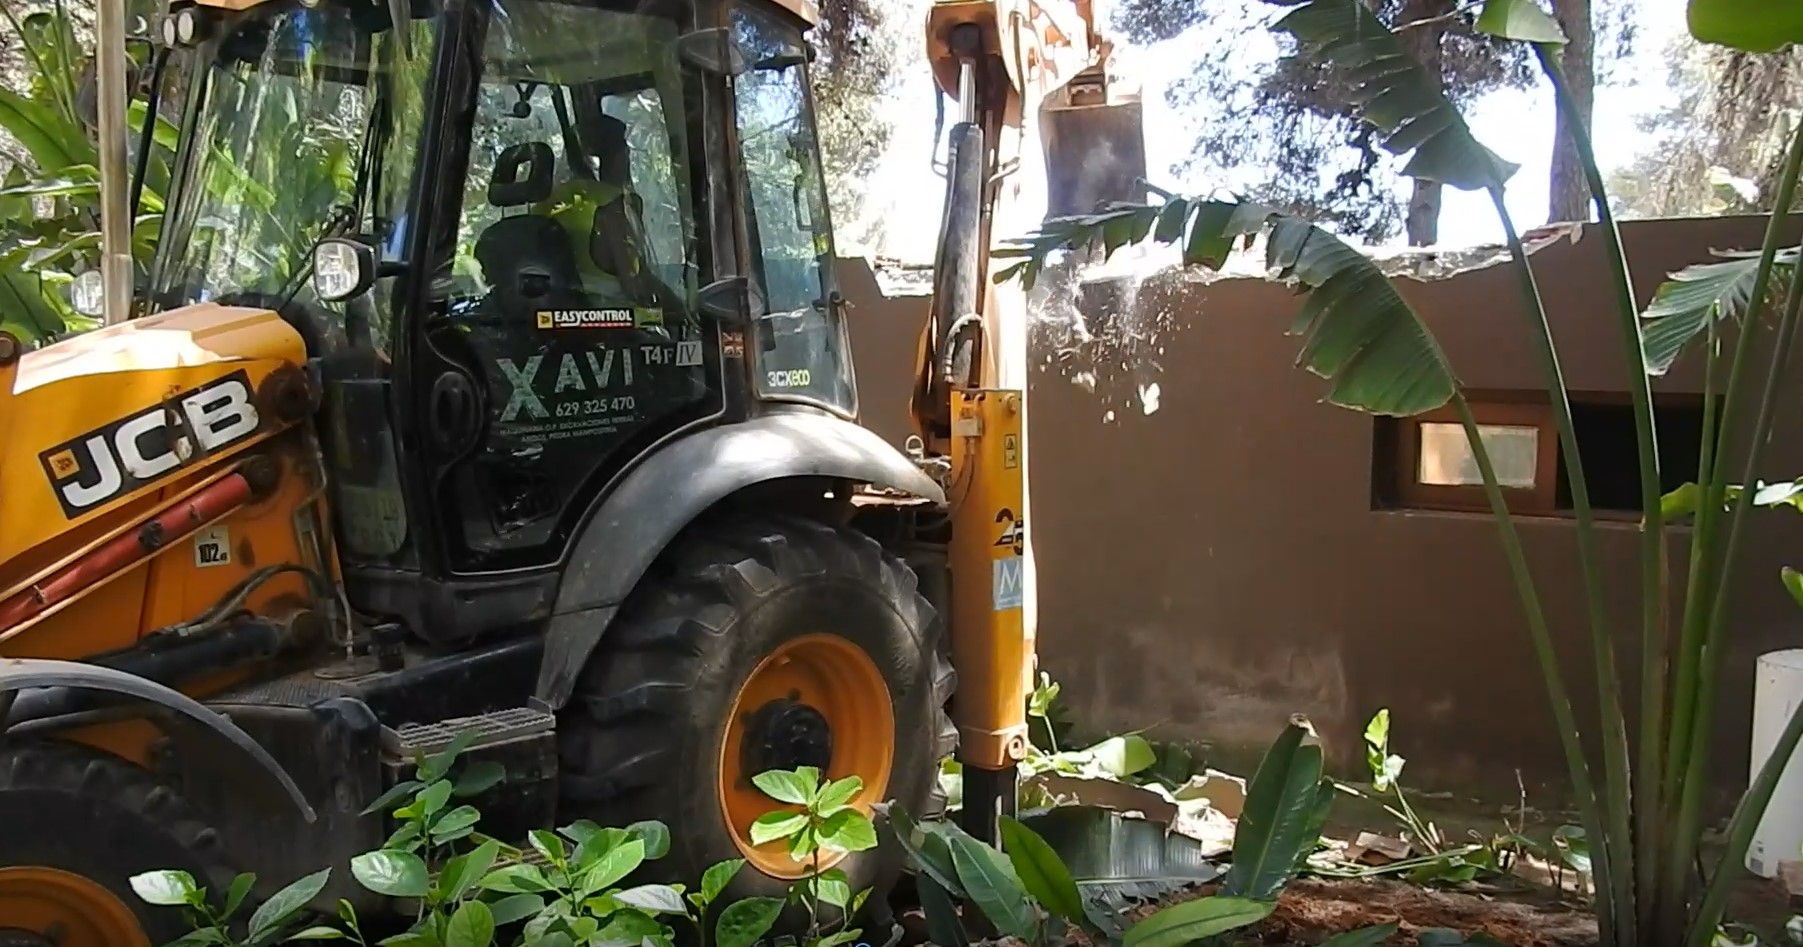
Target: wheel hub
[
  {"x": 816, "y": 700},
  {"x": 786, "y": 734},
  {"x": 50, "y": 907}
]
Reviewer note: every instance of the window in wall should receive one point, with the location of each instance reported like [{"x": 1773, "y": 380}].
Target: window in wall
[{"x": 1425, "y": 462}]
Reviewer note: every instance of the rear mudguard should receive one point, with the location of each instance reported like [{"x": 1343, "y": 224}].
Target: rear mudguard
[
  {"x": 673, "y": 486},
  {"x": 21, "y": 674}
]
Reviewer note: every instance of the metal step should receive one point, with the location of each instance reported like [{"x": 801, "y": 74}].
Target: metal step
[{"x": 493, "y": 729}]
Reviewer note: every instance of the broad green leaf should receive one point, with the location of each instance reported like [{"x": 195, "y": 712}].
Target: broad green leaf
[
  {"x": 652, "y": 899},
  {"x": 944, "y": 927},
  {"x": 517, "y": 878},
  {"x": 848, "y": 830},
  {"x": 430, "y": 800},
  {"x": 1681, "y": 502},
  {"x": 549, "y": 845},
  {"x": 1124, "y": 755},
  {"x": 25, "y": 307},
  {"x": 715, "y": 879},
  {"x": 839, "y": 937},
  {"x": 165, "y": 888},
  {"x": 435, "y": 767},
  {"x": 803, "y": 843},
  {"x": 929, "y": 853},
  {"x": 654, "y": 834},
  {"x": 473, "y": 925},
  {"x": 460, "y": 874},
  {"x": 1793, "y": 583},
  {"x": 774, "y": 825},
  {"x": 1044, "y": 874},
  {"x": 796, "y": 787},
  {"x": 1519, "y": 20},
  {"x": 1574, "y": 846},
  {"x": 1277, "y": 826},
  {"x": 615, "y": 864},
  {"x": 479, "y": 777},
  {"x": 282, "y": 905},
  {"x": 832, "y": 887},
  {"x": 837, "y": 793},
  {"x": 623, "y": 927},
  {"x": 516, "y": 907},
  {"x": 743, "y": 923},
  {"x": 239, "y": 890},
  {"x": 53, "y": 142},
  {"x": 1182, "y": 924},
  {"x": 990, "y": 883},
  {"x": 1685, "y": 304},
  {"x": 396, "y": 874},
  {"x": 458, "y": 820},
  {"x": 1363, "y": 937},
  {"x": 1385, "y": 766},
  {"x": 316, "y": 933},
  {"x": 1393, "y": 92},
  {"x": 1759, "y": 26}
]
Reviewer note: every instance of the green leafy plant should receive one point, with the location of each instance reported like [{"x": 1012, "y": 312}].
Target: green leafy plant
[
  {"x": 49, "y": 198},
  {"x": 272, "y": 922},
  {"x": 1643, "y": 815},
  {"x": 822, "y": 822}
]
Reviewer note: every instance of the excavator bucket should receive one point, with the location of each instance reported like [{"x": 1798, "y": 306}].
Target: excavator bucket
[{"x": 1095, "y": 148}]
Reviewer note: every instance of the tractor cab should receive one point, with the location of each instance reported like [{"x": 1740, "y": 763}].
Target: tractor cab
[{"x": 527, "y": 242}]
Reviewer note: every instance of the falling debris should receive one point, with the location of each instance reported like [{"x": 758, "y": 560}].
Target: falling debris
[
  {"x": 1085, "y": 381},
  {"x": 1148, "y": 398},
  {"x": 1108, "y": 416}
]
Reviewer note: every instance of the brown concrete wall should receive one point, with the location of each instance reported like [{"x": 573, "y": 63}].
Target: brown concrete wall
[{"x": 1217, "y": 564}]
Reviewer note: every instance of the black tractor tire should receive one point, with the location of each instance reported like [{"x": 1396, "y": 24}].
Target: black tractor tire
[
  {"x": 641, "y": 737},
  {"x": 87, "y": 812}
]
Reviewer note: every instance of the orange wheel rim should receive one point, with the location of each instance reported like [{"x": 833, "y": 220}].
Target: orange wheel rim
[
  {"x": 66, "y": 909},
  {"x": 810, "y": 687}
]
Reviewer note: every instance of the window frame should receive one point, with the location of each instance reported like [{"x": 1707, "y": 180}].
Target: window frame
[{"x": 1405, "y": 490}]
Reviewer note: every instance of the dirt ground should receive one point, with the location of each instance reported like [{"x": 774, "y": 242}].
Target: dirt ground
[{"x": 1312, "y": 910}]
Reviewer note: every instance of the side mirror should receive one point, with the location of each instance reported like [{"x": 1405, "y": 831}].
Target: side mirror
[
  {"x": 713, "y": 50},
  {"x": 343, "y": 268},
  {"x": 732, "y": 300}
]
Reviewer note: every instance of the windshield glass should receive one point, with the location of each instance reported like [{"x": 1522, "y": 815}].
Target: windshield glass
[
  {"x": 801, "y": 344},
  {"x": 304, "y": 115}
]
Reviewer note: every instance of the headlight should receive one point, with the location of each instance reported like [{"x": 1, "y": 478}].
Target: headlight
[
  {"x": 342, "y": 269},
  {"x": 88, "y": 293}
]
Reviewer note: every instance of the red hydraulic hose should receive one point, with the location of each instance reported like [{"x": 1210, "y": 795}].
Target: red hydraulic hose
[{"x": 127, "y": 549}]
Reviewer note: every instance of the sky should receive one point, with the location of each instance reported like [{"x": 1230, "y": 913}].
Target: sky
[{"x": 901, "y": 217}]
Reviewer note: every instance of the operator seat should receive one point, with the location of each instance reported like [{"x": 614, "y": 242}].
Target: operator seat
[{"x": 526, "y": 258}]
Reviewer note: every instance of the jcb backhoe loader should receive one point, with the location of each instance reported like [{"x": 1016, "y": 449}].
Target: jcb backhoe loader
[{"x": 491, "y": 377}]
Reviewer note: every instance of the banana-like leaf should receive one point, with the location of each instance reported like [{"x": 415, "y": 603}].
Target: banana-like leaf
[
  {"x": 1758, "y": 26},
  {"x": 26, "y": 309},
  {"x": 1358, "y": 332},
  {"x": 1698, "y": 294},
  {"x": 53, "y": 141},
  {"x": 1283, "y": 815},
  {"x": 1520, "y": 20},
  {"x": 1392, "y": 91}
]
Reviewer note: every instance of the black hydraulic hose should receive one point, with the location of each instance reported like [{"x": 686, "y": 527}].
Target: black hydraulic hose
[
  {"x": 172, "y": 664},
  {"x": 957, "y": 284}
]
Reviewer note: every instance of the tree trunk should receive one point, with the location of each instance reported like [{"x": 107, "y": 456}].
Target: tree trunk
[
  {"x": 1568, "y": 194},
  {"x": 1422, "y": 39},
  {"x": 1423, "y": 220}
]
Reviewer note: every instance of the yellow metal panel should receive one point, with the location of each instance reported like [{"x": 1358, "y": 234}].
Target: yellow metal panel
[
  {"x": 83, "y": 387},
  {"x": 992, "y": 645}
]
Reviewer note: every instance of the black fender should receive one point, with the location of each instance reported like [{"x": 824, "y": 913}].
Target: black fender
[
  {"x": 670, "y": 488},
  {"x": 18, "y": 674}
]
